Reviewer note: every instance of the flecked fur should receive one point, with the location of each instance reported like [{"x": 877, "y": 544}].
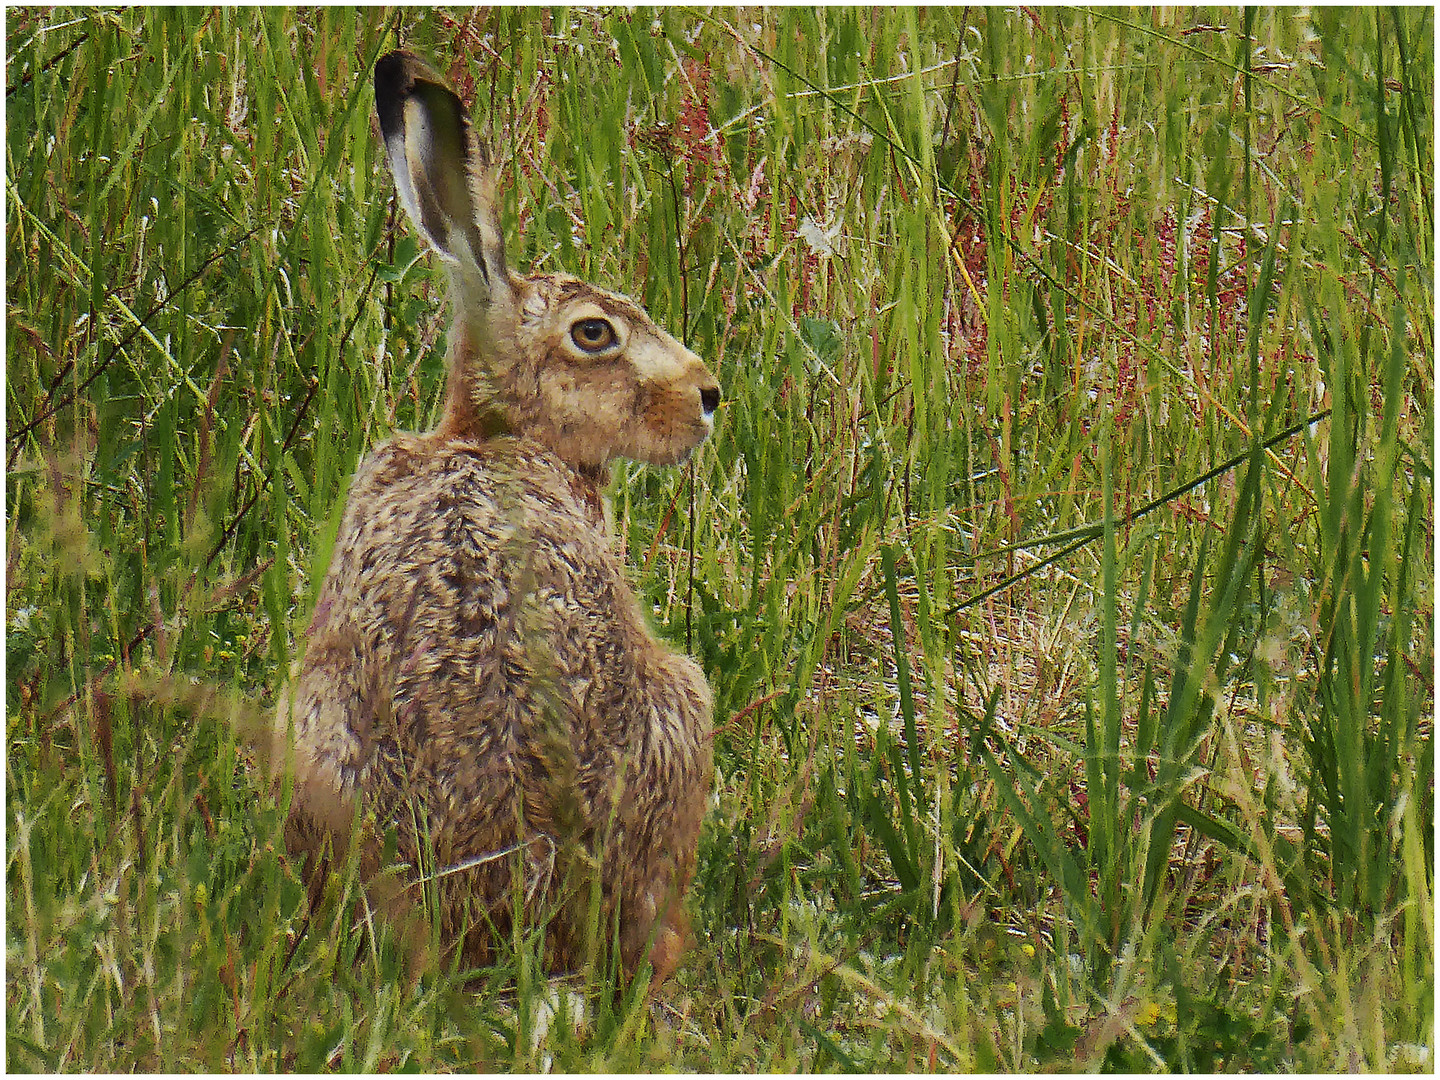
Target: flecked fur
[{"x": 478, "y": 676}]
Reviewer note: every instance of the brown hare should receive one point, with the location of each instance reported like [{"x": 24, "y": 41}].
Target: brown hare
[{"x": 479, "y": 681}]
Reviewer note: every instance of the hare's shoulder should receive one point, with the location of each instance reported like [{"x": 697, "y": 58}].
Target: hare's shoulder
[
  {"x": 422, "y": 499},
  {"x": 525, "y": 475}
]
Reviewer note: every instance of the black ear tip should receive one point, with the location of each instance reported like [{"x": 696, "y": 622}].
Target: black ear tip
[
  {"x": 393, "y": 71},
  {"x": 393, "y": 76}
]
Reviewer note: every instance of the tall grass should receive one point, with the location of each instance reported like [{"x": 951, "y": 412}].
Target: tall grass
[{"x": 1062, "y": 563}]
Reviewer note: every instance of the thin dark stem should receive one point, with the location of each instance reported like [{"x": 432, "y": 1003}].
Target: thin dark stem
[
  {"x": 123, "y": 342},
  {"x": 25, "y": 79},
  {"x": 1084, "y": 534},
  {"x": 685, "y": 340}
]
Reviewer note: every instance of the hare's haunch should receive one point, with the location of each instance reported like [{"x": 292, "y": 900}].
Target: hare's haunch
[{"x": 478, "y": 676}]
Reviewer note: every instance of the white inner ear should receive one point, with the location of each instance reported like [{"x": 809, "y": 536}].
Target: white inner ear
[
  {"x": 428, "y": 158},
  {"x": 420, "y": 179},
  {"x": 400, "y": 169}
]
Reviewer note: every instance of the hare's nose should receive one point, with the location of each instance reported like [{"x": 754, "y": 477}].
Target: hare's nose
[{"x": 709, "y": 399}]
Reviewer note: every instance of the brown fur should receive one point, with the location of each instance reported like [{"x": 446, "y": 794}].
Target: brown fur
[{"x": 479, "y": 677}]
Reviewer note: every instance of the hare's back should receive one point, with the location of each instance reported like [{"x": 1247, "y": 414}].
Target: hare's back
[{"x": 501, "y": 620}]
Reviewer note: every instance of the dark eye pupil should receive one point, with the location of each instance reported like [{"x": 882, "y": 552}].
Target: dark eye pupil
[{"x": 593, "y": 332}]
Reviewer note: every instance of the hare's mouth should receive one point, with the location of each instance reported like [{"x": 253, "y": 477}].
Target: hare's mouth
[{"x": 676, "y": 427}]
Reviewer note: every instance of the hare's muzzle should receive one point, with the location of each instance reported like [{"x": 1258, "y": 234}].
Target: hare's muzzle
[
  {"x": 679, "y": 411},
  {"x": 700, "y": 381}
]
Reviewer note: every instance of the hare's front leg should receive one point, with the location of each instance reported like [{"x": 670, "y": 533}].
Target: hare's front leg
[{"x": 664, "y": 807}]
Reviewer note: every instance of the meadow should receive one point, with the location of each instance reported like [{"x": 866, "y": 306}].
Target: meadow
[{"x": 1062, "y": 562}]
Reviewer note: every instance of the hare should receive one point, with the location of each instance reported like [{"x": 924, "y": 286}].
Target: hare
[{"x": 480, "y": 684}]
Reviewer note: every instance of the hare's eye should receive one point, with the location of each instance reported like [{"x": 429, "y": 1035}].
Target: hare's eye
[{"x": 592, "y": 335}]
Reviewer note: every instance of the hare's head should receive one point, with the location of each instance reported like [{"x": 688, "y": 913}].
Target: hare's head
[{"x": 582, "y": 370}]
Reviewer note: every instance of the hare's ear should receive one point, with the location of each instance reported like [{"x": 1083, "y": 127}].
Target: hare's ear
[{"x": 440, "y": 170}]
